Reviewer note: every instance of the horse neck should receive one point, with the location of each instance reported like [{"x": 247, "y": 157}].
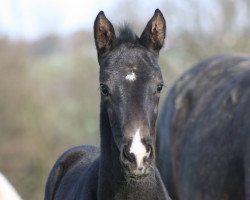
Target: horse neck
[{"x": 109, "y": 152}]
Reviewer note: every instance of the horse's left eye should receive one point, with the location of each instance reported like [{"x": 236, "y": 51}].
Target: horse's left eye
[{"x": 159, "y": 87}]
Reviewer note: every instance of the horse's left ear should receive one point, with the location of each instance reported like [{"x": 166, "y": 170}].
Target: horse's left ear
[{"x": 154, "y": 34}]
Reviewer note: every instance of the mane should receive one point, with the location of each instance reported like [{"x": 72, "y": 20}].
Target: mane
[{"x": 125, "y": 34}]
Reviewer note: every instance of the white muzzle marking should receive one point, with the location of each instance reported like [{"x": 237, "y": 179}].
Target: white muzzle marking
[{"x": 138, "y": 149}]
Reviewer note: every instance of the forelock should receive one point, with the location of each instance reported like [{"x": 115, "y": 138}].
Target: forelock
[{"x": 125, "y": 34}]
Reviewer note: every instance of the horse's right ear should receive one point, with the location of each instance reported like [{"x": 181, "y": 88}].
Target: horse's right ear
[{"x": 104, "y": 33}]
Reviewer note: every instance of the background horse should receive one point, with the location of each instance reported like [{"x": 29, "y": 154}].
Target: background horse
[
  {"x": 204, "y": 132},
  {"x": 130, "y": 85},
  {"x": 7, "y": 192}
]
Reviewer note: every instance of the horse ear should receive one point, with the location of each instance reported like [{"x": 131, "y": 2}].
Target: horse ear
[
  {"x": 154, "y": 34},
  {"x": 104, "y": 33}
]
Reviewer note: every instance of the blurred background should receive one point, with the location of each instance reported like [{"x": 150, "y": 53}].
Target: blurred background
[{"x": 49, "y": 98}]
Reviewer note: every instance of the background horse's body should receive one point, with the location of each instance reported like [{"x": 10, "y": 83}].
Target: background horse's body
[
  {"x": 7, "y": 192},
  {"x": 130, "y": 86},
  {"x": 204, "y": 132}
]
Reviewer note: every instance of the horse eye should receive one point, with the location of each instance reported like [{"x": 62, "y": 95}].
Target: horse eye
[
  {"x": 104, "y": 89},
  {"x": 159, "y": 87}
]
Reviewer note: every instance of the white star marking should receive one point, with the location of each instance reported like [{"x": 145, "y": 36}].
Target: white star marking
[{"x": 131, "y": 77}]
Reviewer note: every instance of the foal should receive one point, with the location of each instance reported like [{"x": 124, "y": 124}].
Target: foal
[{"x": 130, "y": 85}]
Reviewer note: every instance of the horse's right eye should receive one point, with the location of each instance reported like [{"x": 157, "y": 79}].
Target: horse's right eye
[
  {"x": 159, "y": 87},
  {"x": 104, "y": 89}
]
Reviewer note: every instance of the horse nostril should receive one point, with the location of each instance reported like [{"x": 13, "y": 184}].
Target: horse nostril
[
  {"x": 150, "y": 153},
  {"x": 127, "y": 155},
  {"x": 125, "y": 152}
]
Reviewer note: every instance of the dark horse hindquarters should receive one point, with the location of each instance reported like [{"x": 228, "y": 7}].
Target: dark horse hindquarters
[{"x": 204, "y": 132}]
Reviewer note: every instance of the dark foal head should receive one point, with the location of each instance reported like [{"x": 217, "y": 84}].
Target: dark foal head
[{"x": 130, "y": 84}]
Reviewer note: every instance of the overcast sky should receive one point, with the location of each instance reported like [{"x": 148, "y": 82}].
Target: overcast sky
[{"x": 30, "y": 19}]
